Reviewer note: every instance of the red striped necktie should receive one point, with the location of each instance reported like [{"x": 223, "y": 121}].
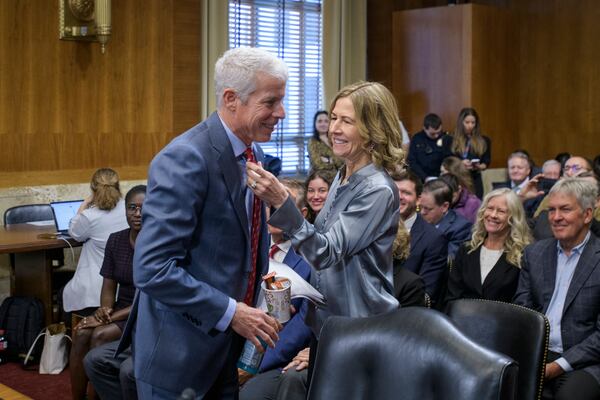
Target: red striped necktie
[
  {"x": 254, "y": 236},
  {"x": 274, "y": 250}
]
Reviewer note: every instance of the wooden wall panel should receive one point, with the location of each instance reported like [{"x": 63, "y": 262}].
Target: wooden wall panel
[
  {"x": 550, "y": 62},
  {"x": 559, "y": 91},
  {"x": 64, "y": 105},
  {"x": 426, "y": 76}
]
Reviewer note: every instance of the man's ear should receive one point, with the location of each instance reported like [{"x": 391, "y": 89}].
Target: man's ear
[
  {"x": 230, "y": 99},
  {"x": 304, "y": 211},
  {"x": 445, "y": 206},
  {"x": 588, "y": 215}
]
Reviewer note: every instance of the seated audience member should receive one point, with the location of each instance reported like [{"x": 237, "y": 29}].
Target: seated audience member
[
  {"x": 295, "y": 335},
  {"x": 519, "y": 170},
  {"x": 435, "y": 209},
  {"x": 110, "y": 373},
  {"x": 464, "y": 202},
  {"x": 596, "y": 166},
  {"x": 541, "y": 225},
  {"x": 408, "y": 286},
  {"x": 428, "y": 148},
  {"x": 428, "y": 255},
  {"x": 454, "y": 165},
  {"x": 562, "y": 159},
  {"x": 316, "y": 187},
  {"x": 576, "y": 165},
  {"x": 108, "y": 321},
  {"x": 488, "y": 266},
  {"x": 551, "y": 169},
  {"x": 560, "y": 277},
  {"x": 101, "y": 214}
]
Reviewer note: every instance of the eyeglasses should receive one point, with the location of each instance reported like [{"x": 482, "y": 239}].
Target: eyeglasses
[
  {"x": 574, "y": 168},
  {"x": 133, "y": 208}
]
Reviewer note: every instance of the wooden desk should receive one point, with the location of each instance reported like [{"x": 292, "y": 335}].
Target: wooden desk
[{"x": 33, "y": 266}]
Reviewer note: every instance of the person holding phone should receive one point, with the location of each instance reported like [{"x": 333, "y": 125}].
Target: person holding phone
[{"x": 471, "y": 146}]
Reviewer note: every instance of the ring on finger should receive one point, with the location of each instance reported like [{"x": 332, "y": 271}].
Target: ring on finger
[{"x": 253, "y": 185}]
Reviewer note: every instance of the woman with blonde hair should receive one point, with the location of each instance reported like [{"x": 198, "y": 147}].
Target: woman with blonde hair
[
  {"x": 488, "y": 266},
  {"x": 100, "y": 214},
  {"x": 471, "y": 146},
  {"x": 350, "y": 244}
]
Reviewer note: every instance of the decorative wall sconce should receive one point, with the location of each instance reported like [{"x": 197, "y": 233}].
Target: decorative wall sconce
[{"x": 87, "y": 20}]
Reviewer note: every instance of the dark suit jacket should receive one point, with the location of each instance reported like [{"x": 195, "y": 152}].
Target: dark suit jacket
[
  {"x": 456, "y": 229},
  {"x": 192, "y": 256},
  {"x": 580, "y": 324},
  {"x": 465, "y": 278},
  {"x": 428, "y": 256},
  {"x": 408, "y": 287},
  {"x": 295, "y": 335}
]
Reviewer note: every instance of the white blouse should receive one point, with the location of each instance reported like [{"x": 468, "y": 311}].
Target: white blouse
[
  {"x": 487, "y": 259},
  {"x": 92, "y": 227}
]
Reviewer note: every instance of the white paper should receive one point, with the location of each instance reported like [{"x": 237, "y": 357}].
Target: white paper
[{"x": 300, "y": 288}]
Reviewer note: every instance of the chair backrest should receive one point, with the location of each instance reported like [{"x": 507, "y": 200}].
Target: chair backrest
[
  {"x": 516, "y": 331},
  {"x": 28, "y": 213},
  {"x": 410, "y": 353}
]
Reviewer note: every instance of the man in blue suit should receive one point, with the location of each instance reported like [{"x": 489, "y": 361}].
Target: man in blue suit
[
  {"x": 560, "y": 277},
  {"x": 428, "y": 255},
  {"x": 435, "y": 208},
  {"x": 198, "y": 264}
]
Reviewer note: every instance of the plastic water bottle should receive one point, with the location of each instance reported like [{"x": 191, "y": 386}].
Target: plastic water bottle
[{"x": 251, "y": 357}]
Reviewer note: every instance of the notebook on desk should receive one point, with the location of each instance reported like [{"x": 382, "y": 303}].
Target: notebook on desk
[{"x": 63, "y": 212}]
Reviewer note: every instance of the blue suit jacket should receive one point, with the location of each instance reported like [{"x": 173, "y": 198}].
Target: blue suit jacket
[
  {"x": 456, "y": 229},
  {"x": 295, "y": 335},
  {"x": 428, "y": 256},
  {"x": 191, "y": 256},
  {"x": 580, "y": 323}
]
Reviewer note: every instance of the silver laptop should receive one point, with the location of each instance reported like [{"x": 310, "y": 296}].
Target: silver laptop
[{"x": 63, "y": 212}]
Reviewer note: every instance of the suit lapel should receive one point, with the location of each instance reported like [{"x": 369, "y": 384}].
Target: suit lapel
[
  {"x": 417, "y": 232},
  {"x": 585, "y": 266},
  {"x": 549, "y": 275},
  {"x": 229, "y": 168}
]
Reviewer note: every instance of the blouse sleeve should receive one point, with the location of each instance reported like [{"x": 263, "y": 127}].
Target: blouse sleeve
[
  {"x": 79, "y": 227},
  {"x": 368, "y": 216},
  {"x": 108, "y": 264}
]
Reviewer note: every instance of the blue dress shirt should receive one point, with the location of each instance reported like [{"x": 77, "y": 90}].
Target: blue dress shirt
[{"x": 565, "y": 268}]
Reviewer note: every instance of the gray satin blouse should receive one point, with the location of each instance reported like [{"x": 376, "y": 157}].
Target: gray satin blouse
[{"x": 349, "y": 246}]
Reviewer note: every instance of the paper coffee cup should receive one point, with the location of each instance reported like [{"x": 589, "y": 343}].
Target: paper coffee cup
[{"x": 279, "y": 300}]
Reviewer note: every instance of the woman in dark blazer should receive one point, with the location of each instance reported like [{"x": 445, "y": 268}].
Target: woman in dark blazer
[{"x": 488, "y": 266}]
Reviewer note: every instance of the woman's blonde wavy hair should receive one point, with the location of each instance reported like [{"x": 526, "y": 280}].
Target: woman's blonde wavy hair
[
  {"x": 519, "y": 236},
  {"x": 377, "y": 122},
  {"x": 401, "y": 247},
  {"x": 106, "y": 189}
]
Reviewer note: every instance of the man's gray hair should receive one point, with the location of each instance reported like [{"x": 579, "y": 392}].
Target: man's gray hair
[
  {"x": 549, "y": 163},
  {"x": 584, "y": 191},
  {"x": 237, "y": 69},
  {"x": 518, "y": 154}
]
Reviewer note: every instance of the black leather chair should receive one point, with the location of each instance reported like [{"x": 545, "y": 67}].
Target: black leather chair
[
  {"x": 516, "y": 331},
  {"x": 28, "y": 213},
  {"x": 412, "y": 353}
]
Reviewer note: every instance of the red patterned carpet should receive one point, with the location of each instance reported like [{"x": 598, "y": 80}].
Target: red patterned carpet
[{"x": 34, "y": 385}]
